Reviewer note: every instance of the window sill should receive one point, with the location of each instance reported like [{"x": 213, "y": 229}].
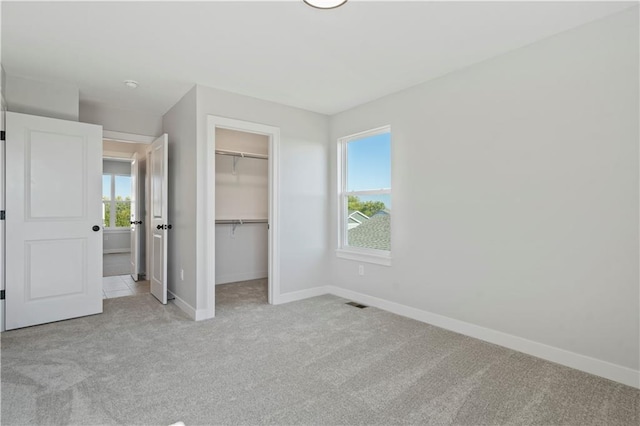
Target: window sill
[
  {"x": 116, "y": 230},
  {"x": 378, "y": 259}
]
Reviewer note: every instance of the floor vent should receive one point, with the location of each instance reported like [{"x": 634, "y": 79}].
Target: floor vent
[{"x": 357, "y": 305}]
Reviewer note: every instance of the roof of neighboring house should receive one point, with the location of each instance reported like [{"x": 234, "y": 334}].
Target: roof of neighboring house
[
  {"x": 357, "y": 216},
  {"x": 374, "y": 233}
]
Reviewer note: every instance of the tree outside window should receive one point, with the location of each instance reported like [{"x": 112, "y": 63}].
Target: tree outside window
[{"x": 116, "y": 201}]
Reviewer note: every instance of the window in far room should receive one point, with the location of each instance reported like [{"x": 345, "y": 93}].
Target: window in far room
[
  {"x": 116, "y": 201},
  {"x": 364, "y": 175}
]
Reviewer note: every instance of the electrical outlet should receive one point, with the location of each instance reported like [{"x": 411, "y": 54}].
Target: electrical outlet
[
  {"x": 360, "y": 269},
  {"x": 181, "y": 274}
]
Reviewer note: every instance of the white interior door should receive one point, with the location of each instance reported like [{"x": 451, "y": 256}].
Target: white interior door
[
  {"x": 54, "y": 238},
  {"x": 159, "y": 226},
  {"x": 136, "y": 219}
]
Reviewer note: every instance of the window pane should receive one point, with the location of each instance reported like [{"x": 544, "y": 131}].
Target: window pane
[
  {"x": 106, "y": 213},
  {"x": 123, "y": 214},
  {"x": 106, "y": 187},
  {"x": 369, "y": 163},
  {"x": 123, "y": 187},
  {"x": 369, "y": 221}
]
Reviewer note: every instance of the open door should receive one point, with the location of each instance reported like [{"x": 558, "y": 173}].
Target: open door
[
  {"x": 53, "y": 234},
  {"x": 159, "y": 226},
  {"x": 136, "y": 219}
]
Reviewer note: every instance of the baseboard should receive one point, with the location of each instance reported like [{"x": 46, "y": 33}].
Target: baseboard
[
  {"x": 194, "y": 314},
  {"x": 584, "y": 363},
  {"x": 301, "y": 294},
  {"x": 243, "y": 276},
  {"x": 184, "y": 306},
  {"x": 1, "y": 316},
  {"x": 114, "y": 251}
]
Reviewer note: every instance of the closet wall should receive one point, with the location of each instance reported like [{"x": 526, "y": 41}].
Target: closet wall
[{"x": 241, "y": 193}]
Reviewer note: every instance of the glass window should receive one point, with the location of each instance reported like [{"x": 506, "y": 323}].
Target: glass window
[
  {"x": 365, "y": 195},
  {"x": 116, "y": 201}
]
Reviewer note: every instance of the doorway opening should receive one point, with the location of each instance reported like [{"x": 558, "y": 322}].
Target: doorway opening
[
  {"x": 242, "y": 241},
  {"x": 123, "y": 210}
]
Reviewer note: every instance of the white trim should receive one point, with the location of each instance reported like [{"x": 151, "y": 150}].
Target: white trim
[
  {"x": 344, "y": 250},
  {"x": 114, "y": 251},
  {"x": 366, "y": 133},
  {"x": 382, "y": 191},
  {"x": 384, "y": 258},
  {"x": 584, "y": 363},
  {"x": 127, "y": 137},
  {"x": 184, "y": 306},
  {"x": 121, "y": 230},
  {"x": 301, "y": 294},
  {"x": 242, "y": 276},
  {"x": 274, "y": 185}
]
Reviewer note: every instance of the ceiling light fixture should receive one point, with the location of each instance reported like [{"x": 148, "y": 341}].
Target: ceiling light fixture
[
  {"x": 325, "y": 4},
  {"x": 132, "y": 84}
]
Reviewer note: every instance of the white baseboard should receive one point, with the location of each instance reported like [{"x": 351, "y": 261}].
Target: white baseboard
[
  {"x": 300, "y": 295},
  {"x": 1, "y": 316},
  {"x": 194, "y": 314},
  {"x": 184, "y": 306},
  {"x": 113, "y": 251},
  {"x": 243, "y": 276},
  {"x": 584, "y": 363}
]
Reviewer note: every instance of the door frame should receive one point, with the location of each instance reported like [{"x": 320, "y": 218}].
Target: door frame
[
  {"x": 273, "y": 133},
  {"x": 113, "y": 136}
]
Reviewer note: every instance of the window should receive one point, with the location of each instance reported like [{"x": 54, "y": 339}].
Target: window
[
  {"x": 365, "y": 196},
  {"x": 116, "y": 201}
]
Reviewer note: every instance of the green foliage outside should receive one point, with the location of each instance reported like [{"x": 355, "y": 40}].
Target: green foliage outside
[
  {"x": 368, "y": 208},
  {"x": 123, "y": 211}
]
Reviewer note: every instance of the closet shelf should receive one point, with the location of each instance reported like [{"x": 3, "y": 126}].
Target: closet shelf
[
  {"x": 240, "y": 221},
  {"x": 241, "y": 154}
]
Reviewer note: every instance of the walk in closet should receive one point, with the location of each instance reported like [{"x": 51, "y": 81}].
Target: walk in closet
[{"x": 242, "y": 205}]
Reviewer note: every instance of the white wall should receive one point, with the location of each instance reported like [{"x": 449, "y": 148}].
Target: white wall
[
  {"x": 180, "y": 123},
  {"x": 241, "y": 250},
  {"x": 45, "y": 99},
  {"x": 304, "y": 232},
  {"x": 116, "y": 241},
  {"x": 515, "y": 203},
  {"x": 121, "y": 119},
  {"x": 116, "y": 167}
]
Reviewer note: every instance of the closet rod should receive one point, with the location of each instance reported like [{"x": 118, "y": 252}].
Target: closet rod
[
  {"x": 240, "y": 221},
  {"x": 241, "y": 154}
]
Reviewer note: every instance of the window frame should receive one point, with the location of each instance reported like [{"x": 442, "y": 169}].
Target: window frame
[
  {"x": 112, "y": 204},
  {"x": 344, "y": 250}
]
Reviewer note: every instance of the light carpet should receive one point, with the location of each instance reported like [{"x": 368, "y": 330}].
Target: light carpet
[{"x": 316, "y": 361}]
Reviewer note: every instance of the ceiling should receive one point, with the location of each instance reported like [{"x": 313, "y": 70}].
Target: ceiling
[{"x": 287, "y": 52}]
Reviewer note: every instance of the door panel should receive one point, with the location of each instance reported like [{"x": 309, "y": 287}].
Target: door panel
[
  {"x": 54, "y": 257},
  {"x": 159, "y": 226},
  {"x": 134, "y": 219}
]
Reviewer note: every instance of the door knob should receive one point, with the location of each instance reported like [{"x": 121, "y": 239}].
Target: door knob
[
  {"x": 168, "y": 227},
  {"x": 159, "y": 227},
  {"x": 95, "y": 228}
]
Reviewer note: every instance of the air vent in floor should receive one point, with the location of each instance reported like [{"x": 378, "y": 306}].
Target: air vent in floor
[{"x": 357, "y": 305}]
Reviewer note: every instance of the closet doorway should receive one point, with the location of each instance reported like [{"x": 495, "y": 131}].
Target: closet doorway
[{"x": 243, "y": 203}]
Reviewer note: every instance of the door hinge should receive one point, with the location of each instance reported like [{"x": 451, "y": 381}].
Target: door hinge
[
  {"x": 3, "y": 135},
  {"x": 1, "y": 294},
  {"x": 2, "y": 215}
]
